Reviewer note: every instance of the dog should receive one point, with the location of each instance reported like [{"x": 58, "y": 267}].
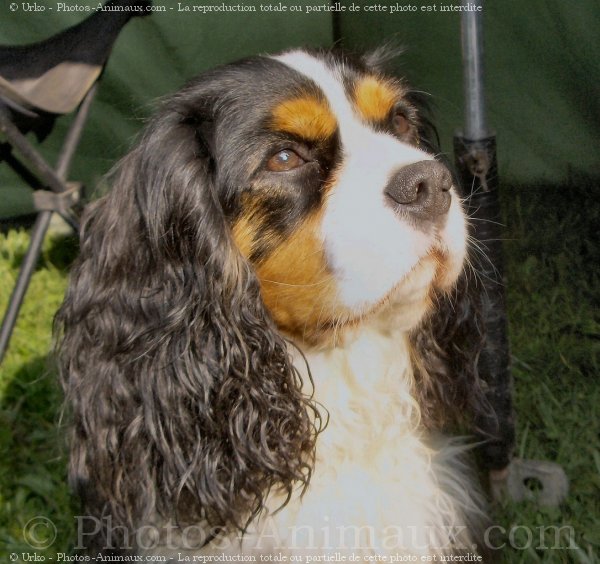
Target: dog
[{"x": 263, "y": 342}]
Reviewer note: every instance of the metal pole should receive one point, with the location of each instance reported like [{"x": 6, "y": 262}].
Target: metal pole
[
  {"x": 475, "y": 154},
  {"x": 74, "y": 134},
  {"x": 473, "y": 72},
  {"x": 38, "y": 233},
  {"x": 19, "y": 142}
]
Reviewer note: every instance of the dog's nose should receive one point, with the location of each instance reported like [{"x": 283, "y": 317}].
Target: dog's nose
[{"x": 421, "y": 189}]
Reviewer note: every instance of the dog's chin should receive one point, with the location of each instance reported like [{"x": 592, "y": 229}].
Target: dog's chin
[
  {"x": 408, "y": 301},
  {"x": 399, "y": 308},
  {"x": 404, "y": 306}
]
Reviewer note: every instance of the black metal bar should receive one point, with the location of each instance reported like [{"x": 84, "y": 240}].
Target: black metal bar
[
  {"x": 475, "y": 155},
  {"x": 74, "y": 135},
  {"x": 38, "y": 233},
  {"x": 477, "y": 169},
  {"x": 19, "y": 141},
  {"x": 43, "y": 219}
]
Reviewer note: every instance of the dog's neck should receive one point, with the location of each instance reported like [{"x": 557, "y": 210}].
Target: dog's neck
[
  {"x": 378, "y": 483},
  {"x": 367, "y": 382},
  {"x": 372, "y": 354}
]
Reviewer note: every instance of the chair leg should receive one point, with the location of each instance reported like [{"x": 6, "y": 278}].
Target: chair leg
[
  {"x": 38, "y": 233},
  {"x": 54, "y": 180}
]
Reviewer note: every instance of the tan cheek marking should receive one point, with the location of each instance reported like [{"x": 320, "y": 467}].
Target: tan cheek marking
[
  {"x": 375, "y": 98},
  {"x": 307, "y": 117},
  {"x": 298, "y": 288},
  {"x": 296, "y": 285}
]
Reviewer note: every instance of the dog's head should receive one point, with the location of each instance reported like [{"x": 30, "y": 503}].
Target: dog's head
[
  {"x": 335, "y": 203},
  {"x": 317, "y": 163},
  {"x": 289, "y": 195}
]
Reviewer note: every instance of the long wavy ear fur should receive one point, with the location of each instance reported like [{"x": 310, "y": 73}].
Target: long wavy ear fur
[
  {"x": 169, "y": 360},
  {"x": 448, "y": 345}
]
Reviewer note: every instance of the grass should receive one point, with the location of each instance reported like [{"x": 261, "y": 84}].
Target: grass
[
  {"x": 553, "y": 269},
  {"x": 32, "y": 462},
  {"x": 553, "y": 258}
]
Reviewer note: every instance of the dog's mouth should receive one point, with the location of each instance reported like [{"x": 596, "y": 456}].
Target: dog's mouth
[
  {"x": 402, "y": 308},
  {"x": 410, "y": 297}
]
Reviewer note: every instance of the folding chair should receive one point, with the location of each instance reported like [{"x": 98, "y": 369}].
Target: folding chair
[{"x": 38, "y": 83}]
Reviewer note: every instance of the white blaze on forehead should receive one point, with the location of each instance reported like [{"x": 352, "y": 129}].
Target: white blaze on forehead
[
  {"x": 370, "y": 249},
  {"x": 329, "y": 81}
]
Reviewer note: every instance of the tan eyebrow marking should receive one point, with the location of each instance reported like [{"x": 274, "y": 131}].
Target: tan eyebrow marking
[
  {"x": 375, "y": 98},
  {"x": 305, "y": 116}
]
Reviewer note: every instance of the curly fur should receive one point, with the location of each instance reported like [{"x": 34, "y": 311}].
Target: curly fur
[
  {"x": 447, "y": 347},
  {"x": 170, "y": 363}
]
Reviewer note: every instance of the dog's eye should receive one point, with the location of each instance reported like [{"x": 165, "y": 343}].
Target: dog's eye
[
  {"x": 400, "y": 123},
  {"x": 285, "y": 160}
]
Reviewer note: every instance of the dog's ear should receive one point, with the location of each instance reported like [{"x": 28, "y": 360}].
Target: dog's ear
[
  {"x": 185, "y": 402},
  {"x": 448, "y": 345}
]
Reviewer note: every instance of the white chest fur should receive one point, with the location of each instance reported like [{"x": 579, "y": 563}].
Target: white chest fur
[{"x": 380, "y": 484}]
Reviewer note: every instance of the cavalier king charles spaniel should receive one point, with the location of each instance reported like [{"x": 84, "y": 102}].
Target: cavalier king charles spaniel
[{"x": 267, "y": 338}]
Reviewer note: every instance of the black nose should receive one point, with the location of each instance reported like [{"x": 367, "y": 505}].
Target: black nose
[{"x": 421, "y": 189}]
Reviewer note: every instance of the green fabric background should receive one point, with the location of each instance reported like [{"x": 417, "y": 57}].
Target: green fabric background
[{"x": 541, "y": 61}]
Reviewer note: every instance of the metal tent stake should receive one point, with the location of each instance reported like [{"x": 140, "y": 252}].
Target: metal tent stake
[{"x": 475, "y": 156}]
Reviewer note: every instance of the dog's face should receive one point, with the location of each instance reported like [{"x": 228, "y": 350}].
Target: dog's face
[{"x": 328, "y": 193}]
